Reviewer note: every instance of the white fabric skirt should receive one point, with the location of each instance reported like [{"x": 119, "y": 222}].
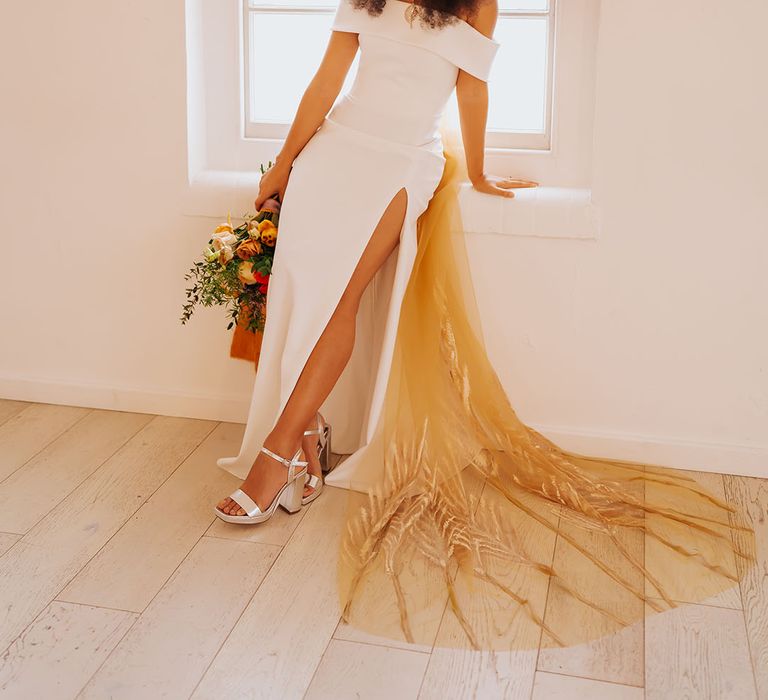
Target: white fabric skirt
[{"x": 341, "y": 183}]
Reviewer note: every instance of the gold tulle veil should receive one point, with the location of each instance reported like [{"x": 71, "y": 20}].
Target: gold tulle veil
[{"x": 483, "y": 533}]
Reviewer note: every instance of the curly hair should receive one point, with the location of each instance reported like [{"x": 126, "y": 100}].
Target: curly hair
[{"x": 434, "y": 14}]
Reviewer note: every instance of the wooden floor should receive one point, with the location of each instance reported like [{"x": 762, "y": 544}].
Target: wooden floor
[{"x": 117, "y": 581}]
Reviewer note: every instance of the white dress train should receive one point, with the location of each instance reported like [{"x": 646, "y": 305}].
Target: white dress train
[{"x": 381, "y": 136}]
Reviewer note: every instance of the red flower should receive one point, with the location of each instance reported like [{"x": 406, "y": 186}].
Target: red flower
[{"x": 262, "y": 281}]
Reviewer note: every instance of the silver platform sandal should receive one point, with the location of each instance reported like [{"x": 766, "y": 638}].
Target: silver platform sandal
[
  {"x": 323, "y": 454},
  {"x": 289, "y": 496}
]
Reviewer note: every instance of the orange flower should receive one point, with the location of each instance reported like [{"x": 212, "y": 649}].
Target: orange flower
[{"x": 248, "y": 248}]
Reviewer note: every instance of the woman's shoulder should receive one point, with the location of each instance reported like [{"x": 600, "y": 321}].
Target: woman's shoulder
[{"x": 483, "y": 17}]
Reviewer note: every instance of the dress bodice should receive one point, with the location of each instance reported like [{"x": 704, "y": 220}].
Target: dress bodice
[{"x": 407, "y": 71}]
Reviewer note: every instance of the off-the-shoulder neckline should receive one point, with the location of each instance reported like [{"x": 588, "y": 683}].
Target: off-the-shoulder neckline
[{"x": 462, "y": 21}]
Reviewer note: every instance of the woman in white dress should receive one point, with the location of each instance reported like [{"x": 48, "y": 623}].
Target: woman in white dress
[
  {"x": 371, "y": 318},
  {"x": 351, "y": 193}
]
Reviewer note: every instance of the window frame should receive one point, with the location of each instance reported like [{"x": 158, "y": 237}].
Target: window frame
[{"x": 494, "y": 138}]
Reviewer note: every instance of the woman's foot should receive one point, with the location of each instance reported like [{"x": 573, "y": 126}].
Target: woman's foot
[{"x": 266, "y": 477}]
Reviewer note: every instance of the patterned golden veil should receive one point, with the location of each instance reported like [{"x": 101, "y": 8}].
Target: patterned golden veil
[{"x": 479, "y": 519}]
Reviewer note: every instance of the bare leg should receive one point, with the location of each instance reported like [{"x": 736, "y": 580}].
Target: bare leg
[{"x": 322, "y": 369}]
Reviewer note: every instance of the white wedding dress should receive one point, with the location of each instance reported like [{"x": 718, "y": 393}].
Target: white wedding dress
[
  {"x": 422, "y": 544},
  {"x": 380, "y": 136}
]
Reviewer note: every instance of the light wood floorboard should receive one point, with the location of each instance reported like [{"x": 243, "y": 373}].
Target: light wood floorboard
[
  {"x": 9, "y": 408},
  {"x": 30, "y": 430},
  {"x": 118, "y": 581},
  {"x": 7, "y": 540},
  {"x": 132, "y": 567},
  {"x": 58, "y": 652},
  {"x": 186, "y": 623},
  {"x": 34, "y": 570},
  {"x": 276, "y": 645},
  {"x": 349, "y": 670},
  {"x": 751, "y": 498},
  {"x": 697, "y": 651},
  {"x": 54, "y": 472},
  {"x": 552, "y": 686}
]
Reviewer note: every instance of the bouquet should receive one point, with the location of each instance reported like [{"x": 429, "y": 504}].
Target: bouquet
[{"x": 235, "y": 267}]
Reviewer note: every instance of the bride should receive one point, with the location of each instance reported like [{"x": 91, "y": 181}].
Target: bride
[
  {"x": 371, "y": 316},
  {"x": 381, "y": 136}
]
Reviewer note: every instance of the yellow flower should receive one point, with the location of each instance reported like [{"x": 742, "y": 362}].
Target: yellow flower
[
  {"x": 245, "y": 273},
  {"x": 225, "y": 228},
  {"x": 268, "y": 232}
]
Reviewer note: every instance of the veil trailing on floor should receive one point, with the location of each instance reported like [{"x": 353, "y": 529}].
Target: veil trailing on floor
[{"x": 484, "y": 533}]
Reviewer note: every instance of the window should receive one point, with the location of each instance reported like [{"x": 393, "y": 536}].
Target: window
[
  {"x": 276, "y": 32},
  {"x": 240, "y": 105}
]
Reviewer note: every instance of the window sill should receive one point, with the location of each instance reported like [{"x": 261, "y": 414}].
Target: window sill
[{"x": 541, "y": 212}]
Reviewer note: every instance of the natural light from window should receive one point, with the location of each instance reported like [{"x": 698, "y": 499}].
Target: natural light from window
[{"x": 279, "y": 31}]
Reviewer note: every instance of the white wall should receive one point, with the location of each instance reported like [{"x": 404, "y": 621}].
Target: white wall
[{"x": 648, "y": 343}]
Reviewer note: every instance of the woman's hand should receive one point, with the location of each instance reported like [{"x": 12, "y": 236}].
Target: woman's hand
[
  {"x": 502, "y": 186},
  {"x": 272, "y": 184}
]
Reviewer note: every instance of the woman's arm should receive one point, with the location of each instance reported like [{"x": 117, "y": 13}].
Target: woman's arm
[
  {"x": 472, "y": 98},
  {"x": 315, "y": 103}
]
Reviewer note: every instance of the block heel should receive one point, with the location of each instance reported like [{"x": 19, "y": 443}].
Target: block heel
[
  {"x": 316, "y": 483},
  {"x": 292, "y": 494}
]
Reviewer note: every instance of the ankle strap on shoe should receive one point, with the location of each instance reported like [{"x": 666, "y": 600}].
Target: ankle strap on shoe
[
  {"x": 315, "y": 431},
  {"x": 288, "y": 463}
]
